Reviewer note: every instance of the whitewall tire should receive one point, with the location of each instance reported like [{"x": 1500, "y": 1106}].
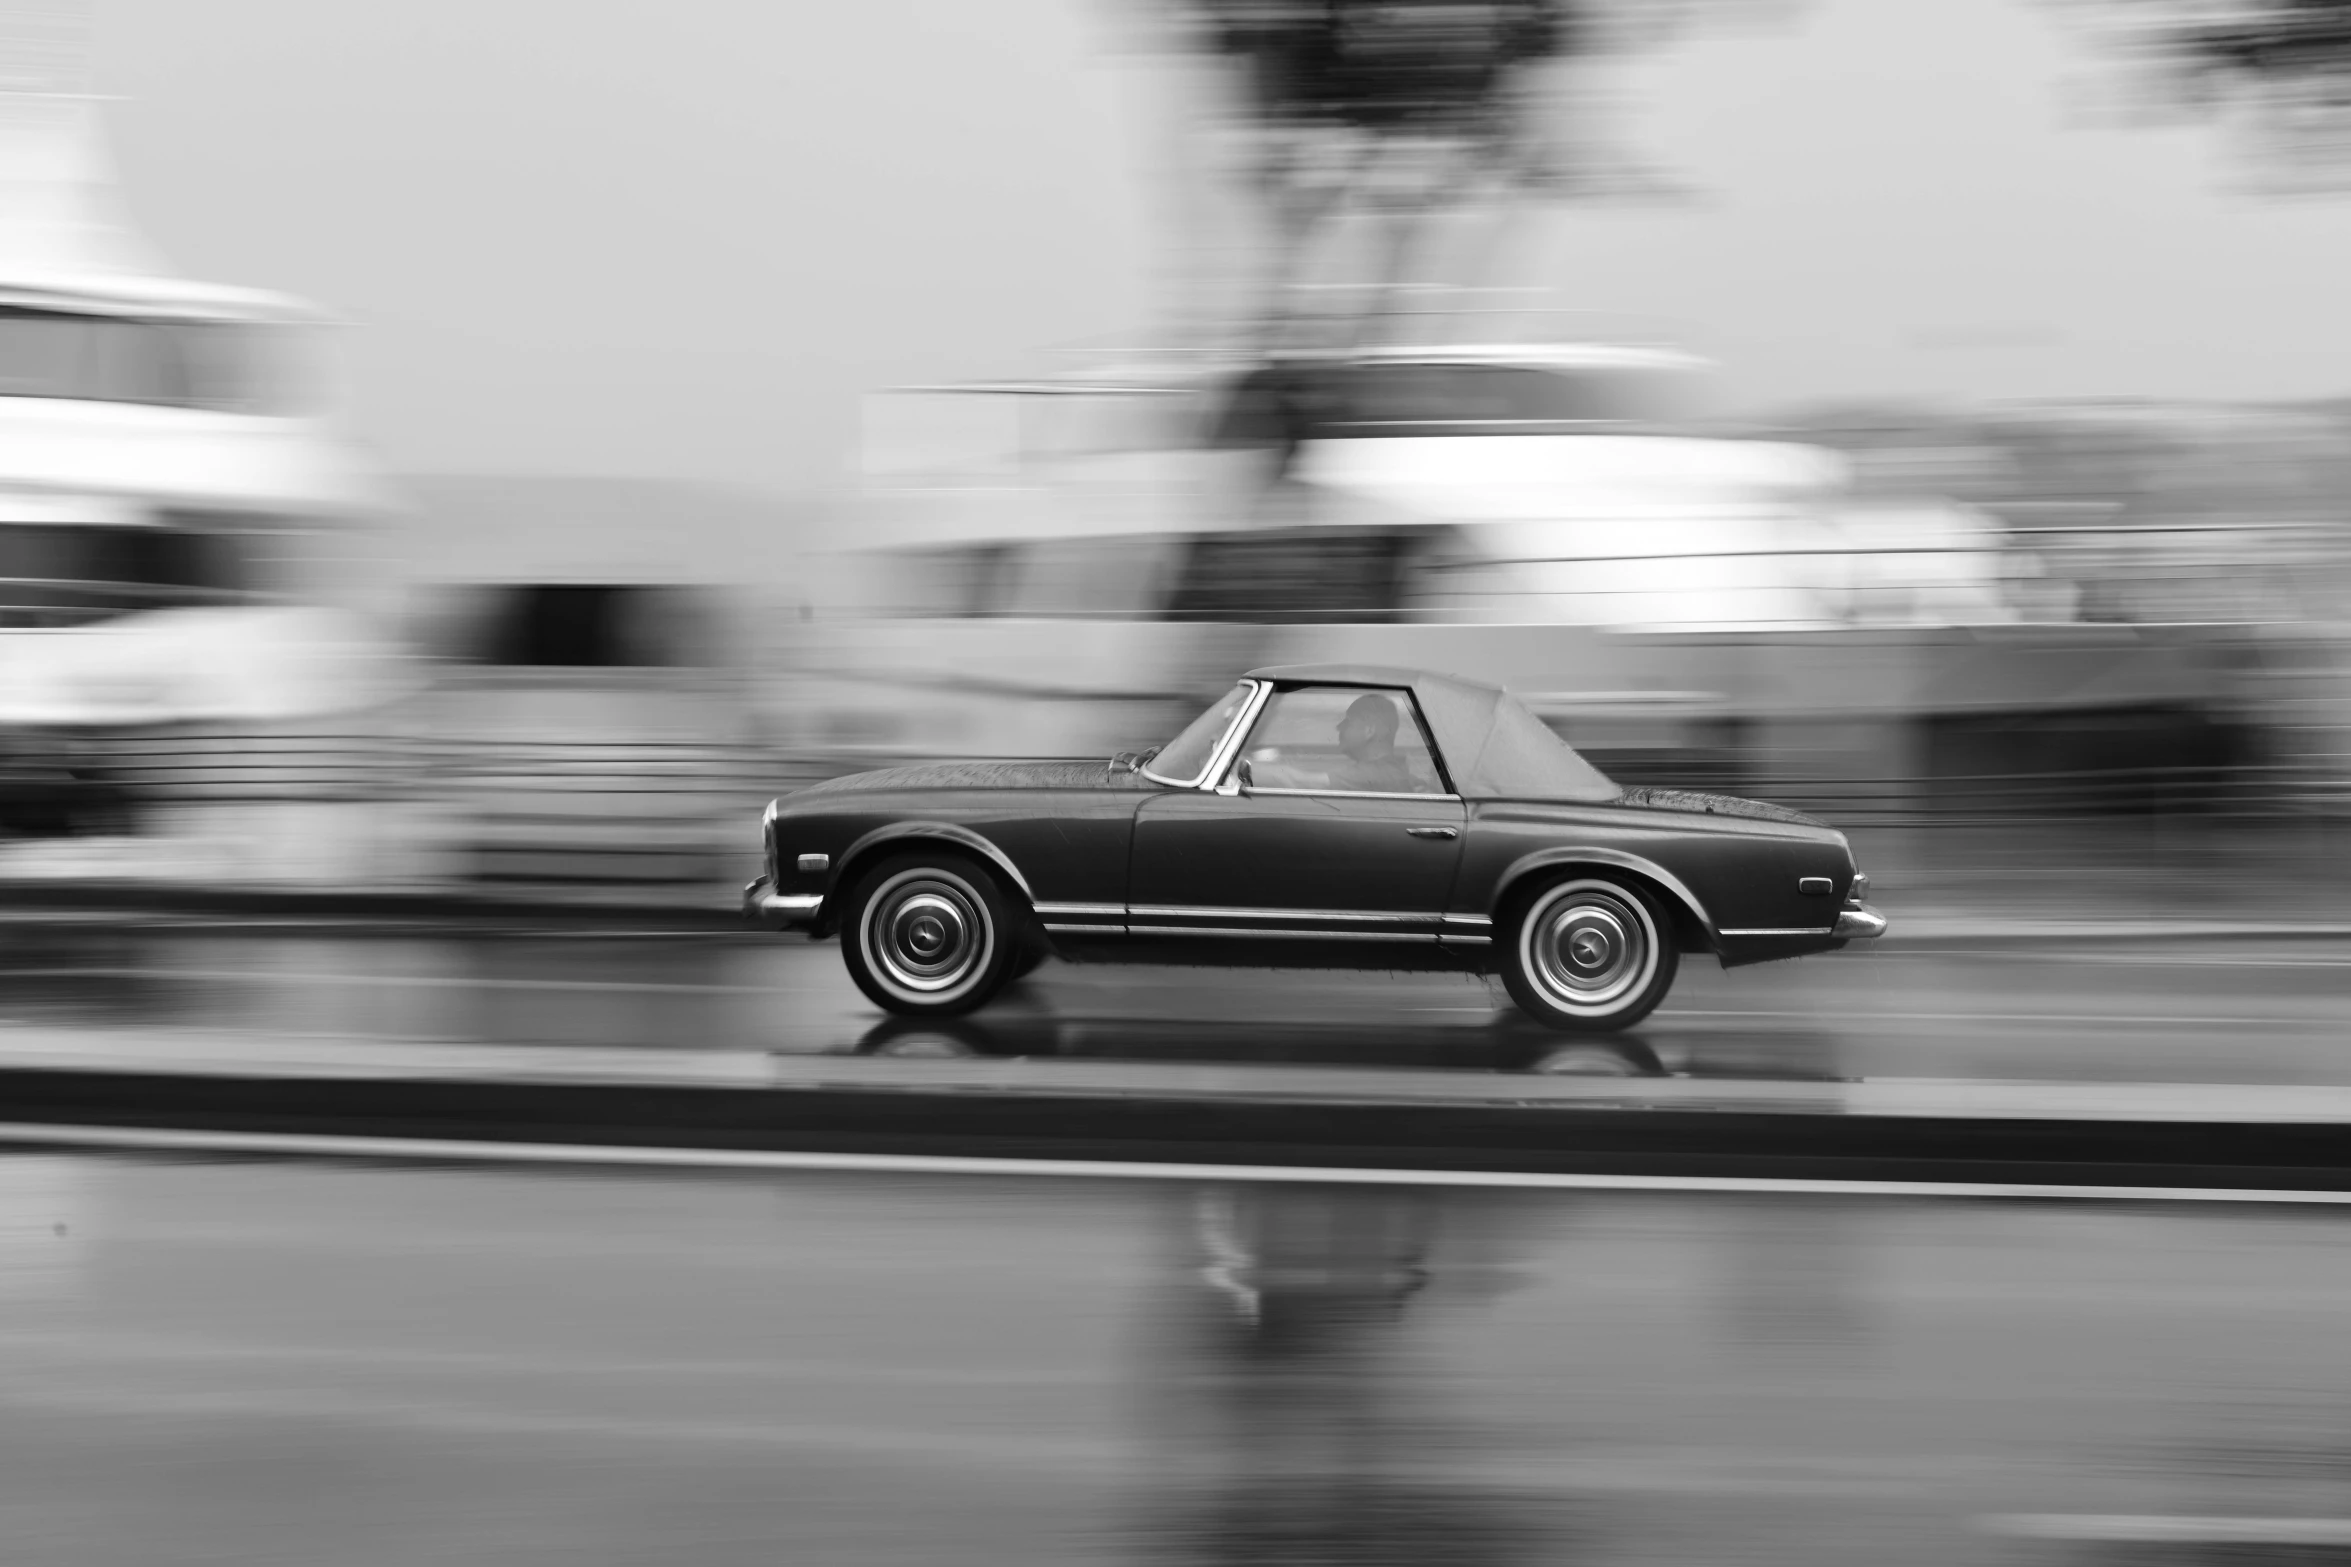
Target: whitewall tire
[
  {"x": 1587, "y": 954},
  {"x": 928, "y": 935}
]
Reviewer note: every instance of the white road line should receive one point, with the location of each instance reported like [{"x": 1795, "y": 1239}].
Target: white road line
[
  {"x": 439, "y": 1149},
  {"x": 2127, "y": 957},
  {"x": 71, "y": 1352},
  {"x": 85, "y": 1395},
  {"x": 1843, "y": 1017},
  {"x": 2151, "y": 1528}
]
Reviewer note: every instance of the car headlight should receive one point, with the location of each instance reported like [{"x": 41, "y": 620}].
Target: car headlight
[{"x": 1860, "y": 886}]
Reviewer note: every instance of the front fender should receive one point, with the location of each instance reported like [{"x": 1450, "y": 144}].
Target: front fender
[
  {"x": 881, "y": 839},
  {"x": 1541, "y": 860}
]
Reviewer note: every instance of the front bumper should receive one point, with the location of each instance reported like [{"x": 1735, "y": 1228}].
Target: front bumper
[
  {"x": 773, "y": 910},
  {"x": 1859, "y": 922}
]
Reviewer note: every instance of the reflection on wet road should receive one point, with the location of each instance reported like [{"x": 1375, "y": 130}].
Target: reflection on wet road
[
  {"x": 2113, "y": 1012},
  {"x": 224, "y": 1363}
]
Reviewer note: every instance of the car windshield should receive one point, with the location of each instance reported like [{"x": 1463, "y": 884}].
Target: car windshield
[{"x": 1184, "y": 759}]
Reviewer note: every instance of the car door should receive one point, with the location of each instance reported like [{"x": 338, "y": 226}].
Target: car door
[{"x": 1319, "y": 842}]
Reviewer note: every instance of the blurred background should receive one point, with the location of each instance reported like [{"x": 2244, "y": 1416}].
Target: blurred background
[
  {"x": 488, "y": 448},
  {"x": 1934, "y": 415}
]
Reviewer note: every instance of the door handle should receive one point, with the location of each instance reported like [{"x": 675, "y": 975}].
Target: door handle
[{"x": 1434, "y": 832}]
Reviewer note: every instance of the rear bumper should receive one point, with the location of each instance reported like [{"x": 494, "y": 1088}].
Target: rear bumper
[
  {"x": 773, "y": 910},
  {"x": 1859, "y": 922}
]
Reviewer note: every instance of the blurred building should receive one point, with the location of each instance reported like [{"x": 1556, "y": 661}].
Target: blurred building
[
  {"x": 2234, "y": 520},
  {"x": 1841, "y": 623},
  {"x": 181, "y": 524},
  {"x": 600, "y": 662}
]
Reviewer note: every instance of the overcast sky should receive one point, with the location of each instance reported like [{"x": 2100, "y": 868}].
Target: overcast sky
[{"x": 673, "y": 237}]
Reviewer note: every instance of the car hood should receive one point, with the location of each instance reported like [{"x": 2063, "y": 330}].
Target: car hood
[
  {"x": 1699, "y": 803},
  {"x": 979, "y": 775}
]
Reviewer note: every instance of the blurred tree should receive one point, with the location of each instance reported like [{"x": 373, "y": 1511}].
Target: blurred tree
[
  {"x": 1413, "y": 108},
  {"x": 1412, "y": 111},
  {"x": 2279, "y": 69}
]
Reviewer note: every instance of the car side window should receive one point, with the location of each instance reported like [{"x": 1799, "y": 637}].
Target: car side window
[{"x": 1340, "y": 739}]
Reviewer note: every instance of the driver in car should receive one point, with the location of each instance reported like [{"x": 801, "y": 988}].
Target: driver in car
[{"x": 1367, "y": 736}]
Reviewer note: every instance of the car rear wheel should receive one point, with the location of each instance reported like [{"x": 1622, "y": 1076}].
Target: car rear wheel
[
  {"x": 1589, "y": 955},
  {"x": 928, "y": 936}
]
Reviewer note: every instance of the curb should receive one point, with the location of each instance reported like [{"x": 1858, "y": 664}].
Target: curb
[{"x": 1033, "y": 1131}]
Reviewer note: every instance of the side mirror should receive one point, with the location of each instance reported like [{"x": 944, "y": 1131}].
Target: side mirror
[
  {"x": 1236, "y": 781},
  {"x": 1126, "y": 762}
]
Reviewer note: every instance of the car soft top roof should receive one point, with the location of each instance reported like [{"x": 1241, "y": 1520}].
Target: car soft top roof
[{"x": 1494, "y": 747}]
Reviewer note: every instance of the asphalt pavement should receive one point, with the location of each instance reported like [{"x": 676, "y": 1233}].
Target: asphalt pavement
[
  {"x": 230, "y": 1361},
  {"x": 241, "y": 1363}
]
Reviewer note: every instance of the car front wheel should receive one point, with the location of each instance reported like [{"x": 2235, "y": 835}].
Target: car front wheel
[
  {"x": 928, "y": 936},
  {"x": 1589, "y": 955}
]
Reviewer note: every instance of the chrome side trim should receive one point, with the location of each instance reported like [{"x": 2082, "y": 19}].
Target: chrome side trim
[
  {"x": 1083, "y": 919},
  {"x": 1281, "y": 935},
  {"x": 1337, "y": 924},
  {"x": 1783, "y": 930},
  {"x": 1466, "y": 941},
  {"x": 1228, "y": 912},
  {"x": 1472, "y": 921}
]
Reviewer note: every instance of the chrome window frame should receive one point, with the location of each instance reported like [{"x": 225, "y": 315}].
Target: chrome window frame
[
  {"x": 1358, "y": 794},
  {"x": 1221, "y": 756},
  {"x": 1411, "y": 707}
]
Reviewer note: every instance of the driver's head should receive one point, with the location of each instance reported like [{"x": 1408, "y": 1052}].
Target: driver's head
[{"x": 1369, "y": 729}]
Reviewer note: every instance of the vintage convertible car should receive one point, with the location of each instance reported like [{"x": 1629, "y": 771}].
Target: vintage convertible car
[{"x": 1313, "y": 817}]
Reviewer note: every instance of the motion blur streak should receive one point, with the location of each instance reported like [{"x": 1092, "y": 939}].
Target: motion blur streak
[{"x": 443, "y": 1366}]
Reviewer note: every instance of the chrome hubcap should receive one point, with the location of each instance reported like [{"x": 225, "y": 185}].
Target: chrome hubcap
[
  {"x": 1588, "y": 948},
  {"x": 927, "y": 932}
]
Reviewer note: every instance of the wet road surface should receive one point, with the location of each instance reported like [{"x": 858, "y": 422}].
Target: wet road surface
[
  {"x": 2218, "y": 1011},
  {"x": 243, "y": 1363}
]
